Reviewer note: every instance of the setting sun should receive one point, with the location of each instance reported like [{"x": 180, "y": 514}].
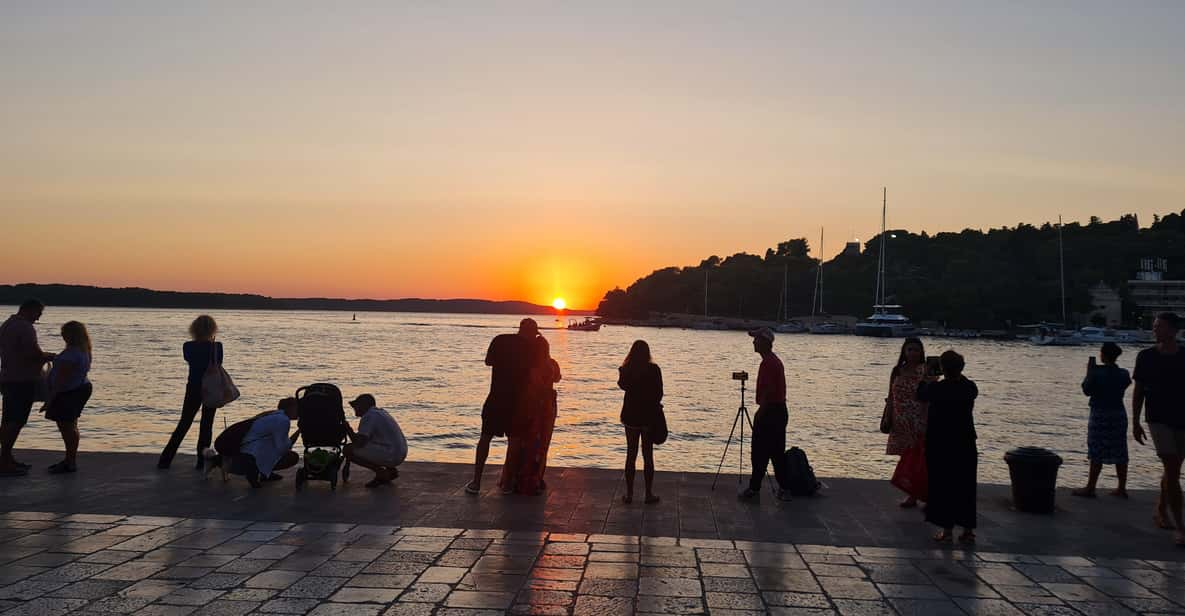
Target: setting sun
[{"x": 559, "y": 303}]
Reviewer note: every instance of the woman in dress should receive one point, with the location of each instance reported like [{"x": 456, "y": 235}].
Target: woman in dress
[
  {"x": 640, "y": 413},
  {"x": 1106, "y": 433},
  {"x": 199, "y": 353},
  {"x": 526, "y": 451},
  {"x": 951, "y": 455},
  {"x": 69, "y": 391},
  {"x": 907, "y": 438}
]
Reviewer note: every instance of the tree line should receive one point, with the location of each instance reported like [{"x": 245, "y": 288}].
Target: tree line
[{"x": 999, "y": 278}]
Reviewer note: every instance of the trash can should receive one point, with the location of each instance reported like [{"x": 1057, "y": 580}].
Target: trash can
[{"x": 1033, "y": 471}]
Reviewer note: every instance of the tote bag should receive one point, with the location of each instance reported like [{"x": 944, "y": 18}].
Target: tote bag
[
  {"x": 218, "y": 390},
  {"x": 658, "y": 432}
]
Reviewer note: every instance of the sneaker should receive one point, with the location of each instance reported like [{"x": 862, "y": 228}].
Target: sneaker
[
  {"x": 784, "y": 495},
  {"x": 749, "y": 494}
]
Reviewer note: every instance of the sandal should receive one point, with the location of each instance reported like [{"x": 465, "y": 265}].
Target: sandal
[
  {"x": 1083, "y": 492},
  {"x": 472, "y": 488},
  {"x": 943, "y": 536},
  {"x": 967, "y": 537},
  {"x": 62, "y": 468},
  {"x": 1117, "y": 493},
  {"x": 627, "y": 499},
  {"x": 1162, "y": 522},
  {"x": 650, "y": 500}
]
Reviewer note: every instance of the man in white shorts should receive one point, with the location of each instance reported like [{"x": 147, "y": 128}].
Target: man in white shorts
[{"x": 378, "y": 444}]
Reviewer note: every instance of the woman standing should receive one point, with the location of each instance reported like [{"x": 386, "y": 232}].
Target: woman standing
[
  {"x": 1106, "y": 433},
  {"x": 69, "y": 391},
  {"x": 640, "y": 414},
  {"x": 199, "y": 353},
  {"x": 526, "y": 451},
  {"x": 907, "y": 438},
  {"x": 951, "y": 455}
]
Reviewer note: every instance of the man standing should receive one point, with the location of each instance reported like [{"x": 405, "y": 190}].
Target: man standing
[
  {"x": 509, "y": 356},
  {"x": 378, "y": 444},
  {"x": 21, "y": 359},
  {"x": 769, "y": 424},
  {"x": 1160, "y": 382}
]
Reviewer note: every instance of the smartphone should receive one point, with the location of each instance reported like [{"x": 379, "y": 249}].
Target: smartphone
[{"x": 933, "y": 366}]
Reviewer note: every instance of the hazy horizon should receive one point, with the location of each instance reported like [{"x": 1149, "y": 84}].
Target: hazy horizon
[{"x": 530, "y": 150}]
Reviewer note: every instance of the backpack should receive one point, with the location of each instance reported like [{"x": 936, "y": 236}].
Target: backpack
[
  {"x": 799, "y": 474},
  {"x": 230, "y": 441}
]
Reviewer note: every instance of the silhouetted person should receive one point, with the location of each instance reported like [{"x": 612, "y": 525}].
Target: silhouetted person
[
  {"x": 952, "y": 459},
  {"x": 1160, "y": 383},
  {"x": 769, "y": 424},
  {"x": 509, "y": 356},
  {"x": 1106, "y": 433},
  {"x": 21, "y": 360},
  {"x": 529, "y": 439},
  {"x": 641, "y": 413},
  {"x": 199, "y": 353},
  {"x": 69, "y": 391},
  {"x": 265, "y": 448},
  {"x": 378, "y": 444},
  {"x": 907, "y": 438}
]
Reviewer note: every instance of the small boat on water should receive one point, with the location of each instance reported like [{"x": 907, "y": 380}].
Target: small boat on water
[
  {"x": 886, "y": 320},
  {"x": 827, "y": 328},
  {"x": 1052, "y": 335},
  {"x": 587, "y": 325},
  {"x": 790, "y": 327}
]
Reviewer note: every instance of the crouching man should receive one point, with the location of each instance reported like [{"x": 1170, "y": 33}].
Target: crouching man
[
  {"x": 259, "y": 446},
  {"x": 378, "y": 444}
]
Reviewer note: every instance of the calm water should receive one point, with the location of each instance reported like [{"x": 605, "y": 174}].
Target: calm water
[{"x": 428, "y": 370}]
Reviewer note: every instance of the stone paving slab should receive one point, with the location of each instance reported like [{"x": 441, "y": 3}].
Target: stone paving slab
[
  {"x": 180, "y": 513},
  {"x": 539, "y": 573}
]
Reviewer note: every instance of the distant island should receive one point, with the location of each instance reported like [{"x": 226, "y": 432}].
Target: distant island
[
  {"x": 134, "y": 297},
  {"x": 999, "y": 278}
]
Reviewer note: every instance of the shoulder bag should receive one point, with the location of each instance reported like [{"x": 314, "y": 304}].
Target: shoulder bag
[{"x": 218, "y": 390}]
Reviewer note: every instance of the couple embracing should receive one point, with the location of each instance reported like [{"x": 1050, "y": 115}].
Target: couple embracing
[{"x": 521, "y": 406}]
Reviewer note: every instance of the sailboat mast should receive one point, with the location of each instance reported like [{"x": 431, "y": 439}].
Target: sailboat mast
[
  {"x": 1061, "y": 260},
  {"x": 879, "y": 298}
]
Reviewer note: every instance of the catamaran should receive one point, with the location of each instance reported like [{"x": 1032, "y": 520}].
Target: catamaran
[{"x": 886, "y": 320}]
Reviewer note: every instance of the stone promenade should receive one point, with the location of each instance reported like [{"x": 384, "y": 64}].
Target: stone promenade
[{"x": 122, "y": 538}]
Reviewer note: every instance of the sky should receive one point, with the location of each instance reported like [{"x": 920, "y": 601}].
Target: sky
[{"x": 532, "y": 150}]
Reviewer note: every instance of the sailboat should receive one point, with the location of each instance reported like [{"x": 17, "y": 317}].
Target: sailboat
[
  {"x": 886, "y": 320},
  {"x": 786, "y": 325},
  {"x": 823, "y": 327},
  {"x": 707, "y": 323},
  {"x": 1053, "y": 334}
]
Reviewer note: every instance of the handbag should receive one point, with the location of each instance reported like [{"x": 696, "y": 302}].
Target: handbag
[
  {"x": 218, "y": 389},
  {"x": 658, "y": 432},
  {"x": 887, "y": 418}
]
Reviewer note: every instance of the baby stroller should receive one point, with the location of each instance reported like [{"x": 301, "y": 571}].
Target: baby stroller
[{"x": 322, "y": 426}]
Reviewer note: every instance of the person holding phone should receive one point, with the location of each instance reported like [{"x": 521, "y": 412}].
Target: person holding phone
[
  {"x": 952, "y": 457},
  {"x": 1106, "y": 433}
]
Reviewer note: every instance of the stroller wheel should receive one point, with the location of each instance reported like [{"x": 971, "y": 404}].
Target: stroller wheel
[{"x": 301, "y": 478}]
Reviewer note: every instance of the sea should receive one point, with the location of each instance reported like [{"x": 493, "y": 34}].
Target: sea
[{"x": 428, "y": 370}]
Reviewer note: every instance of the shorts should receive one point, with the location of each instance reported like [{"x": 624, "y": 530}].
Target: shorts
[
  {"x": 1169, "y": 441},
  {"x": 68, "y": 405},
  {"x": 378, "y": 455},
  {"x": 18, "y": 399},
  {"x": 497, "y": 416}
]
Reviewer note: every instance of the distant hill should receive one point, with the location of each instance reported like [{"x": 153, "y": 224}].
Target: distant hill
[{"x": 133, "y": 297}]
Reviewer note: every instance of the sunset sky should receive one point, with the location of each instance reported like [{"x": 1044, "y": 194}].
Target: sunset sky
[{"x": 529, "y": 150}]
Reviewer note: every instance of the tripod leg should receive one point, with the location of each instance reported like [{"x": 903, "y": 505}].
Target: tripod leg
[{"x": 726, "y": 444}]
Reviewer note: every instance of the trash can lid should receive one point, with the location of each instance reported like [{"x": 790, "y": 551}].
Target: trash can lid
[{"x": 1031, "y": 452}]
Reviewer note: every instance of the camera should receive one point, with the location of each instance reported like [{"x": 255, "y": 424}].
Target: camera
[{"x": 740, "y": 376}]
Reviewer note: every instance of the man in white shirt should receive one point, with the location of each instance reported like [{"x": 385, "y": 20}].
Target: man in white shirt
[
  {"x": 378, "y": 444},
  {"x": 267, "y": 447}
]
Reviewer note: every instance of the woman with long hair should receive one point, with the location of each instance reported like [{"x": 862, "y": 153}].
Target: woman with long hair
[
  {"x": 907, "y": 437},
  {"x": 641, "y": 379},
  {"x": 528, "y": 445},
  {"x": 69, "y": 391},
  {"x": 201, "y": 351}
]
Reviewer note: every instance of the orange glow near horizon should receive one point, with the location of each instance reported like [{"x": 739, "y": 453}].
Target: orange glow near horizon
[{"x": 559, "y": 303}]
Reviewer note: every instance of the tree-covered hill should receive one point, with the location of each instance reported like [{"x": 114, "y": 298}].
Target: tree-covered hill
[{"x": 972, "y": 278}]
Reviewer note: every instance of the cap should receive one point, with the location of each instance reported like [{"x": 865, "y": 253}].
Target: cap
[
  {"x": 528, "y": 326},
  {"x": 764, "y": 333},
  {"x": 365, "y": 401}
]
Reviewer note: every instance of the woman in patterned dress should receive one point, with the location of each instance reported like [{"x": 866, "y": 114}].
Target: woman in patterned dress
[
  {"x": 1106, "y": 432},
  {"x": 907, "y": 438}
]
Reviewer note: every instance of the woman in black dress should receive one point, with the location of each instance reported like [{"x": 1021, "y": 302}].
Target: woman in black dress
[
  {"x": 951, "y": 454},
  {"x": 199, "y": 353},
  {"x": 640, "y": 413}
]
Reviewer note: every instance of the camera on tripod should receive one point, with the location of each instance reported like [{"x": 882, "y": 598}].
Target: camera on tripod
[{"x": 740, "y": 376}]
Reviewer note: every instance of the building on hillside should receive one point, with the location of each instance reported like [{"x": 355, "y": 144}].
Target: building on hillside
[
  {"x": 1105, "y": 302},
  {"x": 1150, "y": 293},
  {"x": 851, "y": 248}
]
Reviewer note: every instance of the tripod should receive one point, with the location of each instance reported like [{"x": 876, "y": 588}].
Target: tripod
[{"x": 743, "y": 411}]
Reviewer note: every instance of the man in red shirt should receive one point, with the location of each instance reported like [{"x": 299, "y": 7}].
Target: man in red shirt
[{"x": 769, "y": 424}]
